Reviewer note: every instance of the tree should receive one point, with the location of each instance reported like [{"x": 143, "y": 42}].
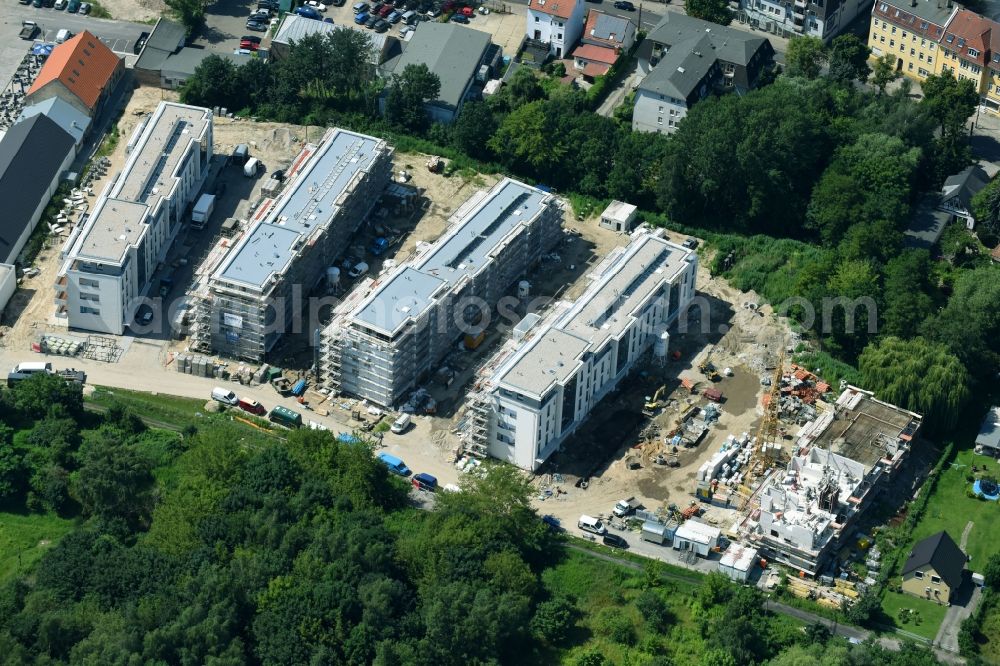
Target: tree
[
  {"x": 917, "y": 375},
  {"x": 11, "y": 472},
  {"x": 404, "y": 104},
  {"x": 991, "y": 572},
  {"x": 906, "y": 286},
  {"x": 986, "y": 211},
  {"x": 849, "y": 59},
  {"x": 885, "y": 72},
  {"x": 805, "y": 57},
  {"x": 35, "y": 396},
  {"x": 114, "y": 480},
  {"x": 190, "y": 12},
  {"x": 950, "y": 102},
  {"x": 970, "y": 323},
  {"x": 215, "y": 82},
  {"x": 473, "y": 129},
  {"x": 716, "y": 11},
  {"x": 553, "y": 619}
]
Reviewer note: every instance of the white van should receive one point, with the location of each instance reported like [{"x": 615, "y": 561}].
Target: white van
[
  {"x": 63, "y": 35},
  {"x": 359, "y": 269},
  {"x": 25, "y": 370},
  {"x": 225, "y": 396},
  {"x": 400, "y": 425},
  {"x": 591, "y": 524}
]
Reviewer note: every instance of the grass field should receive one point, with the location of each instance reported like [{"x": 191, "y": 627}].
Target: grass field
[
  {"x": 951, "y": 509},
  {"x": 162, "y": 407},
  {"x": 24, "y": 538},
  {"x": 924, "y": 622}
]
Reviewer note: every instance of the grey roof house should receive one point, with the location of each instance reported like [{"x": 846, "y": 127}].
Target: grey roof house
[
  {"x": 989, "y": 432},
  {"x": 453, "y": 52},
  {"x": 72, "y": 120},
  {"x": 958, "y": 191},
  {"x": 164, "y": 60},
  {"x": 684, "y": 59},
  {"x": 34, "y": 154}
]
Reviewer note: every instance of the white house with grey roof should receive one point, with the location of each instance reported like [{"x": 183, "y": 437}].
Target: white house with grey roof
[
  {"x": 544, "y": 385},
  {"x": 453, "y": 52},
  {"x": 684, "y": 60},
  {"x": 110, "y": 258},
  {"x": 389, "y": 335},
  {"x": 255, "y": 292}
]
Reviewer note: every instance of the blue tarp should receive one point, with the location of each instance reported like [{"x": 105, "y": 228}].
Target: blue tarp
[{"x": 299, "y": 387}]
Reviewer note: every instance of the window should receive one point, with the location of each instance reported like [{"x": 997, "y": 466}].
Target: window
[
  {"x": 894, "y": 30},
  {"x": 935, "y": 579},
  {"x": 910, "y": 67},
  {"x": 976, "y": 69},
  {"x": 931, "y": 46},
  {"x": 912, "y": 52},
  {"x": 973, "y": 52},
  {"x": 923, "y": 42},
  {"x": 892, "y": 43},
  {"x": 774, "y": 533},
  {"x": 883, "y": 7},
  {"x": 930, "y": 60},
  {"x": 86, "y": 310},
  {"x": 84, "y": 296},
  {"x": 882, "y": 39},
  {"x": 920, "y": 57},
  {"x": 659, "y": 121},
  {"x": 661, "y": 110},
  {"x": 536, "y": 19},
  {"x": 923, "y": 72},
  {"x": 918, "y": 574},
  {"x": 923, "y": 26},
  {"x": 560, "y": 35},
  {"x": 904, "y": 34}
]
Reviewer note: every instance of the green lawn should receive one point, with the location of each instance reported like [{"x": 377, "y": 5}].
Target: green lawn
[
  {"x": 159, "y": 406},
  {"x": 990, "y": 649},
  {"x": 24, "y": 538},
  {"x": 924, "y": 623},
  {"x": 950, "y": 509}
]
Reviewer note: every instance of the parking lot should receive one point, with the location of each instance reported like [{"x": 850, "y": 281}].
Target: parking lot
[{"x": 119, "y": 35}]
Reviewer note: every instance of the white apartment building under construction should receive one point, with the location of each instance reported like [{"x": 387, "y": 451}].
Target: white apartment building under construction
[
  {"x": 108, "y": 260},
  {"x": 251, "y": 297},
  {"x": 546, "y": 381},
  {"x": 385, "y": 339},
  {"x": 843, "y": 460}
]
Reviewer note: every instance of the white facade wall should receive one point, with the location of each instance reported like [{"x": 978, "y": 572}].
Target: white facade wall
[
  {"x": 657, "y": 113},
  {"x": 525, "y": 431},
  {"x": 102, "y": 293},
  {"x": 8, "y": 284},
  {"x": 561, "y": 34}
]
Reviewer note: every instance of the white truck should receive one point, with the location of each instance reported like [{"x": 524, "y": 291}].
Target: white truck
[
  {"x": 202, "y": 210},
  {"x": 625, "y": 507}
]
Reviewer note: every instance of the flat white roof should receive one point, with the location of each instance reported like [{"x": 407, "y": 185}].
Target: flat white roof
[
  {"x": 693, "y": 530},
  {"x": 604, "y": 311},
  {"x": 739, "y": 557}
]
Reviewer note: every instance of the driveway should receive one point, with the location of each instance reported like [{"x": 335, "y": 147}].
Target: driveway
[{"x": 964, "y": 604}]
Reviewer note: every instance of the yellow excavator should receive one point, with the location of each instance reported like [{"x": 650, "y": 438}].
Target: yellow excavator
[
  {"x": 707, "y": 368},
  {"x": 654, "y": 403}
]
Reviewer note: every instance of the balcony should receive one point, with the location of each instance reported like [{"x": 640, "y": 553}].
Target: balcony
[
  {"x": 61, "y": 281},
  {"x": 801, "y": 4},
  {"x": 61, "y": 297}
]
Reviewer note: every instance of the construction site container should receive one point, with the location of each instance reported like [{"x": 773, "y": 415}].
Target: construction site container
[
  {"x": 739, "y": 562},
  {"x": 654, "y": 532}
]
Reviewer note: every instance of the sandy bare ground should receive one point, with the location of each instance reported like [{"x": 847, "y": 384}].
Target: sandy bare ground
[{"x": 135, "y": 10}]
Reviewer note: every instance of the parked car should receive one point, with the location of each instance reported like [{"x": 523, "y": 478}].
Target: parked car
[
  {"x": 225, "y": 396},
  {"x": 250, "y": 42},
  {"x": 552, "y": 522},
  {"x": 358, "y": 270},
  {"x": 360, "y": 7},
  {"x": 37, "y": 4},
  {"x": 338, "y": 3},
  {"x": 73, "y": 6},
  {"x": 401, "y": 424},
  {"x": 315, "y": 4},
  {"x": 361, "y": 18},
  {"x": 60, "y": 4},
  {"x": 394, "y": 464},
  {"x": 381, "y": 25},
  {"x": 424, "y": 481},
  {"x": 459, "y": 18},
  {"x": 691, "y": 243},
  {"x": 624, "y": 4},
  {"x": 394, "y": 17},
  {"x": 385, "y": 11},
  {"x": 251, "y": 407},
  {"x": 308, "y": 12},
  {"x": 24, "y": 2},
  {"x": 256, "y": 26},
  {"x": 615, "y": 541},
  {"x": 372, "y": 20},
  {"x": 85, "y": 8}
]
